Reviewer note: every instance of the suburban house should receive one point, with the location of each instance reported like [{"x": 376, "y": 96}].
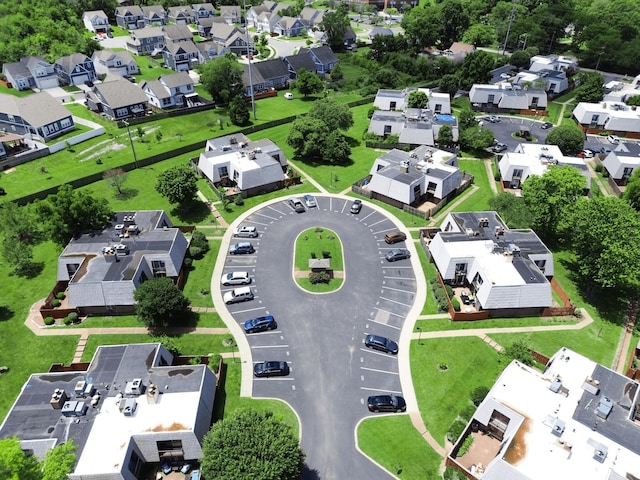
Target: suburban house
[
  {"x": 203, "y": 10},
  {"x": 117, "y": 99},
  {"x": 209, "y": 50},
  {"x": 265, "y": 75},
  {"x": 349, "y": 38},
  {"x": 255, "y": 12},
  {"x": 180, "y": 15},
  {"x": 128, "y": 410},
  {"x": 39, "y": 115},
  {"x": 232, "y": 38},
  {"x": 506, "y": 271},
  {"x": 574, "y": 419},
  {"x": 231, "y": 14},
  {"x": 171, "y": 90},
  {"x": 613, "y": 117},
  {"x": 402, "y": 178},
  {"x": 75, "y": 69},
  {"x": 380, "y": 31},
  {"x": 311, "y": 17},
  {"x": 96, "y": 21},
  {"x": 414, "y": 126},
  {"x": 267, "y": 22},
  {"x": 397, "y": 100},
  {"x": 180, "y": 56},
  {"x": 507, "y": 98},
  {"x": 621, "y": 92},
  {"x": 130, "y": 18},
  {"x": 30, "y": 72},
  {"x": 555, "y": 81},
  {"x": 458, "y": 50},
  {"x": 252, "y": 167},
  {"x": 535, "y": 159},
  {"x": 119, "y": 63},
  {"x": 204, "y": 25},
  {"x": 289, "y": 27},
  {"x": 323, "y": 57},
  {"x": 297, "y": 62},
  {"x": 154, "y": 15},
  {"x": 622, "y": 162},
  {"x": 103, "y": 269},
  {"x": 540, "y": 63},
  {"x": 177, "y": 33},
  {"x": 146, "y": 41}
]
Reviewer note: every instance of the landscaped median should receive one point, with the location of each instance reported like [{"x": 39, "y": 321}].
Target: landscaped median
[{"x": 318, "y": 265}]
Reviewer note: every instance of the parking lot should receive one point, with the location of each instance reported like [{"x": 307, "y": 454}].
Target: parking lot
[{"x": 321, "y": 336}]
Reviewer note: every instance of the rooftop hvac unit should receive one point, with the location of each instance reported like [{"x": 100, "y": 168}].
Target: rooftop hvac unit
[
  {"x": 79, "y": 388},
  {"x": 128, "y": 406},
  {"x": 58, "y": 399},
  {"x": 134, "y": 387}
]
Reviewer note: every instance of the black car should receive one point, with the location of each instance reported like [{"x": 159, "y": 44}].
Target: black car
[
  {"x": 399, "y": 254},
  {"x": 547, "y": 125},
  {"x": 271, "y": 369},
  {"x": 241, "y": 248},
  {"x": 386, "y": 403},
  {"x": 381, "y": 343},
  {"x": 297, "y": 205},
  {"x": 356, "y": 206},
  {"x": 260, "y": 324}
]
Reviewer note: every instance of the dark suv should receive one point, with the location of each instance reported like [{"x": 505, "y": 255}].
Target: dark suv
[{"x": 241, "y": 248}]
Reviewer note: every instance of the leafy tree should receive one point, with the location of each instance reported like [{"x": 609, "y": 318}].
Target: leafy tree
[
  {"x": 548, "y": 195},
  {"x": 178, "y": 184},
  {"x": 199, "y": 244},
  {"x": 454, "y": 20},
  {"x": 413, "y": 23},
  {"x": 632, "y": 191},
  {"x": 334, "y": 24},
  {"x": 634, "y": 101},
  {"x": 480, "y": 35},
  {"x": 239, "y": 111},
  {"x": 568, "y": 138},
  {"x": 445, "y": 136},
  {"x": 476, "y": 68},
  {"x": 336, "y": 73},
  {"x": 59, "y": 461},
  {"x": 512, "y": 209},
  {"x": 15, "y": 464},
  {"x": 115, "y": 178},
  {"x": 19, "y": 256},
  {"x": 160, "y": 303},
  {"x": 591, "y": 87},
  {"x": 336, "y": 150},
  {"x": 520, "y": 58},
  {"x": 417, "y": 99},
  {"x": 336, "y": 116},
  {"x": 307, "y": 137},
  {"x": 251, "y": 444},
  {"x": 478, "y": 395},
  {"x": 222, "y": 78},
  {"x": 449, "y": 83},
  {"x": 467, "y": 119},
  {"x": 69, "y": 213},
  {"x": 601, "y": 231},
  {"x": 476, "y": 138},
  {"x": 518, "y": 350},
  {"x": 308, "y": 83}
]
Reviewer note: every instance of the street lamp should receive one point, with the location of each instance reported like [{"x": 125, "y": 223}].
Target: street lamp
[
  {"x": 249, "y": 55},
  {"x": 135, "y": 158},
  {"x": 419, "y": 335}
]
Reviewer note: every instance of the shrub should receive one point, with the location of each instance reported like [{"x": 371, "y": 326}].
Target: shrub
[
  {"x": 319, "y": 277},
  {"x": 466, "y": 445},
  {"x": 326, "y": 254},
  {"x": 449, "y": 290},
  {"x": 467, "y": 412},
  {"x": 198, "y": 241},
  {"x": 478, "y": 394},
  {"x": 60, "y": 295},
  {"x": 66, "y": 321},
  {"x": 55, "y": 303},
  {"x": 195, "y": 252},
  {"x": 49, "y": 321},
  {"x": 214, "y": 362},
  {"x": 195, "y": 360},
  {"x": 598, "y": 167},
  {"x": 455, "y": 430},
  {"x": 455, "y": 303},
  {"x": 73, "y": 316},
  {"x": 238, "y": 200},
  {"x": 451, "y": 473},
  {"x": 188, "y": 262}
]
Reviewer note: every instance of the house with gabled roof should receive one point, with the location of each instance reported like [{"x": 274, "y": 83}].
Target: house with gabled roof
[
  {"x": 208, "y": 51},
  {"x": 265, "y": 75},
  {"x": 96, "y": 21},
  {"x": 311, "y": 17},
  {"x": 414, "y": 126},
  {"x": 203, "y": 10},
  {"x": 128, "y": 410},
  {"x": 506, "y": 98},
  {"x": 30, "y": 72},
  {"x": 254, "y": 13},
  {"x": 39, "y": 115},
  {"x": 289, "y": 27},
  {"x": 181, "y": 56},
  {"x": 113, "y": 62},
  {"x": 204, "y": 25},
  {"x": 554, "y": 81},
  {"x": 622, "y": 161},
  {"x": 349, "y": 37},
  {"x": 438, "y": 102},
  {"x": 267, "y": 21},
  {"x": 75, "y": 69},
  {"x": 177, "y": 33},
  {"x": 323, "y": 57},
  {"x": 297, "y": 62},
  {"x": 130, "y": 18},
  {"x": 180, "y": 15},
  {"x": 117, "y": 99},
  {"x": 171, "y": 90},
  {"x": 154, "y": 15},
  {"x": 231, "y": 14},
  {"x": 232, "y": 38},
  {"x": 380, "y": 31},
  {"x": 146, "y": 41},
  {"x": 253, "y": 167},
  {"x": 613, "y": 117}
]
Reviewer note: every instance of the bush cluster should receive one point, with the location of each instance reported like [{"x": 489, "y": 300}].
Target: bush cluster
[
  {"x": 60, "y": 295},
  {"x": 319, "y": 277},
  {"x": 55, "y": 303},
  {"x": 440, "y": 295},
  {"x": 199, "y": 245},
  {"x": 49, "y": 321}
]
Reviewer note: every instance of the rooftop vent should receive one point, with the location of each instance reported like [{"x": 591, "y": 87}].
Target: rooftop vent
[
  {"x": 134, "y": 387},
  {"x": 128, "y": 406},
  {"x": 483, "y": 222},
  {"x": 404, "y": 167},
  {"x": 58, "y": 399},
  {"x": 152, "y": 394}
]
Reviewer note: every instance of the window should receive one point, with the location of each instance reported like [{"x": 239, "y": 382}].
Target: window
[
  {"x": 72, "y": 268},
  {"x": 159, "y": 268},
  {"x": 392, "y": 105},
  {"x": 517, "y": 173},
  {"x": 236, "y": 175},
  {"x": 65, "y": 122},
  {"x": 448, "y": 228},
  {"x": 461, "y": 267},
  {"x": 534, "y": 102},
  {"x": 223, "y": 171},
  {"x": 135, "y": 464},
  {"x": 541, "y": 264},
  {"x": 387, "y": 130},
  {"x": 438, "y": 108},
  {"x": 491, "y": 98},
  {"x": 594, "y": 117},
  {"x": 627, "y": 172},
  {"x": 477, "y": 281},
  {"x": 169, "y": 449}
]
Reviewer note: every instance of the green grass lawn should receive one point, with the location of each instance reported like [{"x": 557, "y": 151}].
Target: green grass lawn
[
  {"x": 314, "y": 243},
  {"x": 446, "y": 324},
  {"x": 198, "y": 285},
  {"x": 407, "y": 456},
  {"x": 479, "y": 201}
]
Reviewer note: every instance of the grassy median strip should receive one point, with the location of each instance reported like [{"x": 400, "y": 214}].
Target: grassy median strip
[{"x": 318, "y": 245}]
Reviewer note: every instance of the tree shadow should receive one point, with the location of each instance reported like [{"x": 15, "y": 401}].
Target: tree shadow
[
  {"x": 221, "y": 395},
  {"x": 5, "y": 313},
  {"x": 126, "y": 194},
  {"x": 30, "y": 270},
  {"x": 196, "y": 212},
  {"x": 310, "y": 473}
]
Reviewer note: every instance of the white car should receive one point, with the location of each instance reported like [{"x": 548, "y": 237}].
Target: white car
[
  {"x": 235, "y": 278},
  {"x": 245, "y": 231},
  {"x": 309, "y": 201},
  {"x": 288, "y": 96},
  {"x": 613, "y": 139},
  {"x": 241, "y": 294},
  {"x": 504, "y": 76}
]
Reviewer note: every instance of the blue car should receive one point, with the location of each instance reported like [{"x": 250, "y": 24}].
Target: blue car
[{"x": 260, "y": 324}]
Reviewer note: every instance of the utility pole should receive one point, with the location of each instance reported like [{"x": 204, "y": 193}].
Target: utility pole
[
  {"x": 512, "y": 15},
  {"x": 249, "y": 55},
  {"x": 135, "y": 158}
]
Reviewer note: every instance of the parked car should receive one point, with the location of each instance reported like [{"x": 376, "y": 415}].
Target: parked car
[
  {"x": 499, "y": 147},
  {"x": 236, "y": 295},
  {"x": 613, "y": 139},
  {"x": 296, "y": 204},
  {"x": 241, "y": 248},
  {"x": 310, "y": 201},
  {"x": 386, "y": 403},
  {"x": 185, "y": 468},
  {"x": 395, "y": 237},
  {"x": 504, "y": 76},
  {"x": 288, "y": 96},
  {"x": 356, "y": 206},
  {"x": 271, "y": 369},
  {"x": 547, "y": 125},
  {"x": 245, "y": 231},
  {"x": 399, "y": 254},
  {"x": 494, "y": 119},
  {"x": 235, "y": 278},
  {"x": 260, "y": 324},
  {"x": 605, "y": 150},
  {"x": 381, "y": 343}
]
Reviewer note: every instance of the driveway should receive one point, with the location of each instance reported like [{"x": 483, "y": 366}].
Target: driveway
[
  {"x": 504, "y": 129},
  {"x": 321, "y": 335}
]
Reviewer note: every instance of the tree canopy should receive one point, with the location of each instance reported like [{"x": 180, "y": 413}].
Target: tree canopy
[
  {"x": 251, "y": 444},
  {"x": 591, "y": 87},
  {"x": 239, "y": 112},
  {"x": 632, "y": 191},
  {"x": 512, "y": 209},
  {"x": 59, "y": 461},
  {"x": 568, "y": 138},
  {"x": 222, "y": 78},
  {"x": 476, "y": 68},
  {"x": 336, "y": 116},
  {"x": 20, "y": 232},
  {"x": 160, "y": 303},
  {"x": 417, "y": 99},
  {"x": 308, "y": 83},
  {"x": 15, "y": 464},
  {"x": 334, "y": 24},
  {"x": 178, "y": 184}
]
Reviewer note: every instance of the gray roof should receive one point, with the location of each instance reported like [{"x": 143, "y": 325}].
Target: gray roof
[
  {"x": 17, "y": 69},
  {"x": 375, "y": 31},
  {"x": 267, "y": 70},
  {"x": 147, "y": 32},
  {"x": 186, "y": 47},
  {"x": 104, "y": 55},
  {"x": 324, "y": 54},
  {"x": 132, "y": 10},
  {"x": 119, "y": 93},
  {"x": 299, "y": 61},
  {"x": 176, "y": 79},
  {"x": 69, "y": 62},
  {"x": 37, "y": 110},
  {"x": 177, "y": 32},
  {"x": 157, "y": 88},
  {"x": 149, "y": 10}
]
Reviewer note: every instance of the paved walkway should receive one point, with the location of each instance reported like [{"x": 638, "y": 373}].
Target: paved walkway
[{"x": 219, "y": 218}]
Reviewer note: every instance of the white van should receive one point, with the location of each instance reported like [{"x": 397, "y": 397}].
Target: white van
[{"x": 236, "y": 295}]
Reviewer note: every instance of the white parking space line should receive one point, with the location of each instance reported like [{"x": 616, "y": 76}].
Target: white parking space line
[
  {"x": 400, "y": 278},
  {"x": 386, "y": 324},
  {"x": 266, "y": 332},
  {"x": 390, "y": 313},
  {"x": 380, "y": 390},
  {"x": 396, "y": 302},
  {"x": 267, "y": 216},
  {"x": 379, "y": 371},
  {"x": 250, "y": 310},
  {"x": 372, "y": 213},
  {"x": 397, "y": 290},
  {"x": 381, "y": 231},
  {"x": 376, "y": 352},
  {"x": 394, "y": 266},
  {"x": 257, "y": 223},
  {"x": 262, "y": 379},
  {"x": 270, "y": 346}
]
